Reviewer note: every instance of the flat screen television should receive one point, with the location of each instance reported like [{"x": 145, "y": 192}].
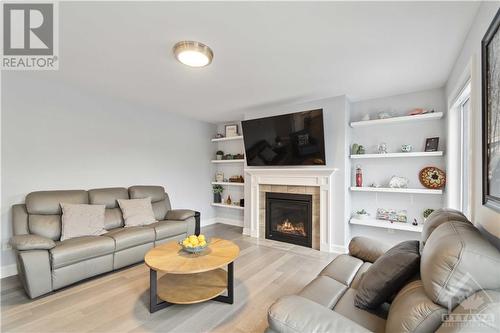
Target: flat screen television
[{"x": 288, "y": 139}]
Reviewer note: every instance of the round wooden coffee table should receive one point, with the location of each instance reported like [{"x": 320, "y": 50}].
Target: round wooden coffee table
[{"x": 191, "y": 278}]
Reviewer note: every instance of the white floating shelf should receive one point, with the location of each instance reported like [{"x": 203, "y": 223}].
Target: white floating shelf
[
  {"x": 396, "y": 190},
  {"x": 387, "y": 224},
  {"x": 228, "y": 161},
  {"x": 392, "y": 155},
  {"x": 228, "y": 183},
  {"x": 239, "y": 137},
  {"x": 227, "y": 206},
  {"x": 395, "y": 120}
]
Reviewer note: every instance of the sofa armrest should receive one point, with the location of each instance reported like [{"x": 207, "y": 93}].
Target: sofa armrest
[
  {"x": 367, "y": 249},
  {"x": 180, "y": 214},
  {"x": 294, "y": 314},
  {"x": 31, "y": 242}
]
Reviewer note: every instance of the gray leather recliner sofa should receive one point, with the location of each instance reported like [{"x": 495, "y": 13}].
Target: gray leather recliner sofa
[
  {"x": 45, "y": 264},
  {"x": 457, "y": 289}
]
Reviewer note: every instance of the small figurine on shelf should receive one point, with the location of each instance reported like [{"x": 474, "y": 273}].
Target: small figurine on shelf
[
  {"x": 357, "y": 149},
  {"x": 359, "y": 176},
  {"x": 406, "y": 148},
  {"x": 238, "y": 156},
  {"x": 229, "y": 201},
  {"x": 219, "y": 176},
  {"x": 219, "y": 136},
  {"x": 398, "y": 182},
  {"x": 415, "y": 223},
  {"x": 382, "y": 148},
  {"x": 219, "y": 154}
]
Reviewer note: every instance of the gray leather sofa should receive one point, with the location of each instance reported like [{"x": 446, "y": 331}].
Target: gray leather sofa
[
  {"x": 457, "y": 290},
  {"x": 45, "y": 264}
]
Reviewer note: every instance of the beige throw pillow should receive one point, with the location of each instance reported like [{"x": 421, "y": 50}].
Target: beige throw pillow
[
  {"x": 137, "y": 212},
  {"x": 82, "y": 220}
]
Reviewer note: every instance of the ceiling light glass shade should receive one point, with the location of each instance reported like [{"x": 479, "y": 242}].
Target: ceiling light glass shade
[{"x": 194, "y": 54}]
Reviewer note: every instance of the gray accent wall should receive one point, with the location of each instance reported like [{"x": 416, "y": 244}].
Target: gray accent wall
[{"x": 56, "y": 136}]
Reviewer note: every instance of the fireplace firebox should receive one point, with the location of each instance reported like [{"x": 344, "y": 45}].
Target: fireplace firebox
[{"x": 289, "y": 218}]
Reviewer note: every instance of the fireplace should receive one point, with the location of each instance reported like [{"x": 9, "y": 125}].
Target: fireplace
[{"x": 289, "y": 218}]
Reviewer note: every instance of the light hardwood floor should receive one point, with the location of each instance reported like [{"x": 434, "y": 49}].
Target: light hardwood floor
[{"x": 118, "y": 301}]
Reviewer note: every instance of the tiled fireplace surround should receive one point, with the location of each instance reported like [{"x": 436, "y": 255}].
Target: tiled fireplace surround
[{"x": 315, "y": 181}]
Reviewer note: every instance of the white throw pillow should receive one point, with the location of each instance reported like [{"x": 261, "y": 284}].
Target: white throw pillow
[
  {"x": 82, "y": 220},
  {"x": 137, "y": 212}
]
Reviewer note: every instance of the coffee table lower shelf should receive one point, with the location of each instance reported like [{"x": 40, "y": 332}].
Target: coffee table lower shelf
[{"x": 190, "y": 288}]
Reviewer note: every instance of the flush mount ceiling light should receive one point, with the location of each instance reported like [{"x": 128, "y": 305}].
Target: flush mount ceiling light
[{"x": 194, "y": 54}]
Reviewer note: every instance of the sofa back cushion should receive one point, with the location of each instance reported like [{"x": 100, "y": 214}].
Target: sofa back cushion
[
  {"x": 438, "y": 217},
  {"x": 159, "y": 199},
  {"x": 413, "y": 311},
  {"x": 82, "y": 220},
  {"x": 113, "y": 217},
  {"x": 44, "y": 210},
  {"x": 456, "y": 262}
]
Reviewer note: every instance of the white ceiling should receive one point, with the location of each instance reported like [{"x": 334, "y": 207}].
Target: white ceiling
[{"x": 264, "y": 52}]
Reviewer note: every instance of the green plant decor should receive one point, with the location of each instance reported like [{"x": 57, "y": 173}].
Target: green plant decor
[
  {"x": 362, "y": 212},
  {"x": 427, "y": 212},
  {"x": 218, "y": 189}
]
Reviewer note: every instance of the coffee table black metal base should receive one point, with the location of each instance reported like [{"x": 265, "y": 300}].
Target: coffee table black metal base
[{"x": 154, "y": 305}]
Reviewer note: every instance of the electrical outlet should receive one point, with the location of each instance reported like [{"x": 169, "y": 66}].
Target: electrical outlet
[{"x": 6, "y": 245}]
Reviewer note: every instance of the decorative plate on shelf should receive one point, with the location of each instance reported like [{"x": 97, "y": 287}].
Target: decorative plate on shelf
[{"x": 432, "y": 177}]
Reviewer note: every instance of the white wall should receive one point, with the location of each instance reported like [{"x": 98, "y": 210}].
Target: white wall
[
  {"x": 335, "y": 117},
  {"x": 381, "y": 170},
  {"x": 55, "y": 136},
  {"x": 469, "y": 64}
]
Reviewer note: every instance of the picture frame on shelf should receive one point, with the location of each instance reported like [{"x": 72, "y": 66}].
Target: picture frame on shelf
[
  {"x": 431, "y": 144},
  {"x": 231, "y": 130},
  {"x": 490, "y": 70}
]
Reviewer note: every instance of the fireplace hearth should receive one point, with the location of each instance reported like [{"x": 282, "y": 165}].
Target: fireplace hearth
[{"x": 289, "y": 218}]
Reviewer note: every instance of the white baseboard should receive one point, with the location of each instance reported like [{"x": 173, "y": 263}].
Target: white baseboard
[
  {"x": 338, "y": 248},
  {"x": 8, "y": 270},
  {"x": 213, "y": 220},
  {"x": 235, "y": 222},
  {"x": 246, "y": 231},
  {"x": 205, "y": 222}
]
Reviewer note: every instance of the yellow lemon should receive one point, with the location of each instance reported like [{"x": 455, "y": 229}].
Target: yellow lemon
[
  {"x": 194, "y": 241},
  {"x": 201, "y": 238},
  {"x": 189, "y": 245},
  {"x": 192, "y": 238},
  {"x": 203, "y": 243},
  {"x": 185, "y": 242}
]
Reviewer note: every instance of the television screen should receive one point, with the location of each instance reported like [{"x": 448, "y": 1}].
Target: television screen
[{"x": 289, "y": 139}]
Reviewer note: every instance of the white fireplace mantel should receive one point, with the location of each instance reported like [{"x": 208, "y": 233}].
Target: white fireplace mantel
[{"x": 314, "y": 176}]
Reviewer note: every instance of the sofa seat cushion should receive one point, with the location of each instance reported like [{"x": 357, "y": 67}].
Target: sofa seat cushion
[
  {"x": 169, "y": 228},
  {"x": 343, "y": 268},
  {"x": 372, "y": 320},
  {"x": 324, "y": 290},
  {"x": 77, "y": 249},
  {"x": 132, "y": 236}
]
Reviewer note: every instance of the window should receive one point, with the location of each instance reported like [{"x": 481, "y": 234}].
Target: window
[{"x": 459, "y": 159}]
